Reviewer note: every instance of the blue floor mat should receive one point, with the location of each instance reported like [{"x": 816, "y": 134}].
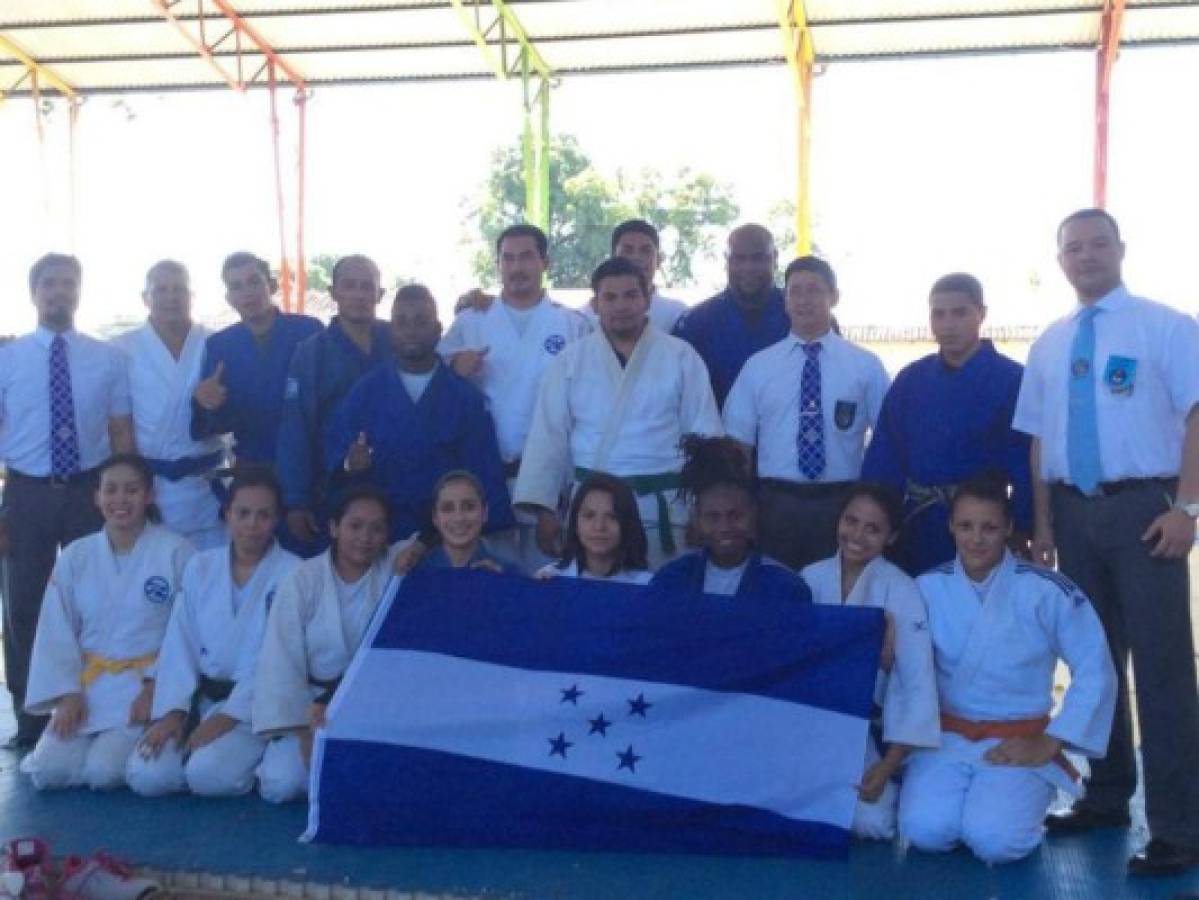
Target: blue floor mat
[{"x": 249, "y": 837}]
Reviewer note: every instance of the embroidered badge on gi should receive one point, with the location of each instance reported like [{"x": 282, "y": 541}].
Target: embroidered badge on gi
[
  {"x": 843, "y": 414},
  {"x": 554, "y": 344},
  {"x": 1120, "y": 375},
  {"x": 157, "y": 589}
]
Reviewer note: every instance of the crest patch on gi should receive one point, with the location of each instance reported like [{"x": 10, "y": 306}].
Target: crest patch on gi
[
  {"x": 157, "y": 589},
  {"x": 1120, "y": 375},
  {"x": 844, "y": 413},
  {"x": 554, "y": 344}
]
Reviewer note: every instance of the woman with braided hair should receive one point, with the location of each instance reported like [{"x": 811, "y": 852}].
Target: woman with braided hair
[{"x": 718, "y": 481}]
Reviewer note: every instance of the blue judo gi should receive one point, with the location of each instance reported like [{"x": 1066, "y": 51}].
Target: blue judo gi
[
  {"x": 255, "y": 375},
  {"x": 725, "y": 336},
  {"x": 414, "y": 444},
  {"x": 686, "y": 573},
  {"x": 323, "y": 369},
  {"x": 938, "y": 426}
]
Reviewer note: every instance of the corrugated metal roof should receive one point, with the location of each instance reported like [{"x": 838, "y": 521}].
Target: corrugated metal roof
[{"x": 127, "y": 45}]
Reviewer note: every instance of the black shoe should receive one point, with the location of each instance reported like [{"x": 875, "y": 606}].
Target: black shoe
[
  {"x": 18, "y": 743},
  {"x": 1162, "y": 858},
  {"x": 1082, "y": 818}
]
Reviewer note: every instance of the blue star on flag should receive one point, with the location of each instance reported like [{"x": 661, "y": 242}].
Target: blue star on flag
[
  {"x": 559, "y": 745},
  {"x": 638, "y": 706},
  {"x": 599, "y": 725},
  {"x": 628, "y": 760},
  {"x": 571, "y": 694}
]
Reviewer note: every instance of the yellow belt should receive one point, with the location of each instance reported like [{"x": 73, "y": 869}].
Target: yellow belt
[{"x": 94, "y": 666}]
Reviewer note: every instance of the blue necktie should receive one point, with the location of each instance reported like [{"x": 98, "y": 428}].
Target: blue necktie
[
  {"x": 64, "y": 438},
  {"x": 1082, "y": 422},
  {"x": 810, "y": 440}
]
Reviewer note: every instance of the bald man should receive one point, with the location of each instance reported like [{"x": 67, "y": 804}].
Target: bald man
[{"x": 747, "y": 316}]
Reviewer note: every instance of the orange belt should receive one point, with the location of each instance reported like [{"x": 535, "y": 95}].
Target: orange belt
[{"x": 981, "y": 731}]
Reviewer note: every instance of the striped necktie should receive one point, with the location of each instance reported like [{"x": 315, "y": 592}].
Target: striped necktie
[
  {"x": 810, "y": 440},
  {"x": 64, "y": 436}
]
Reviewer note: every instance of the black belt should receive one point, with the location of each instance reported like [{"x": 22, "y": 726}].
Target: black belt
[
  {"x": 1111, "y": 488},
  {"x": 54, "y": 480},
  {"x": 807, "y": 490},
  {"x": 328, "y": 689},
  {"x": 512, "y": 469},
  {"x": 215, "y": 689}
]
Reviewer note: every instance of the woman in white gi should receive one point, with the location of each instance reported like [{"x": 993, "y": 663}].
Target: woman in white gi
[
  {"x": 459, "y": 514},
  {"x": 906, "y": 690},
  {"x": 102, "y": 622},
  {"x": 604, "y": 535},
  {"x": 718, "y": 479},
  {"x": 999, "y": 627},
  {"x": 206, "y": 666},
  {"x": 321, "y": 612}
]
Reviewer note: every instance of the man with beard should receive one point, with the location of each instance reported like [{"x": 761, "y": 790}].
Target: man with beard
[
  {"x": 505, "y": 349},
  {"x": 618, "y": 401},
  {"x": 747, "y": 316},
  {"x": 64, "y": 408},
  {"x": 403, "y": 426}
]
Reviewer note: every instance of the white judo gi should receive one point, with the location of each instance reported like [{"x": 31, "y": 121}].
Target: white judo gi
[
  {"x": 995, "y": 659},
  {"x": 212, "y": 641},
  {"x": 520, "y": 346},
  {"x": 907, "y": 694},
  {"x": 161, "y": 387},
  {"x": 101, "y": 626},
  {"x": 595, "y": 415},
  {"x": 312, "y": 632}
]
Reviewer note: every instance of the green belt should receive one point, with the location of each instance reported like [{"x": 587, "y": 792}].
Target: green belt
[{"x": 644, "y": 485}]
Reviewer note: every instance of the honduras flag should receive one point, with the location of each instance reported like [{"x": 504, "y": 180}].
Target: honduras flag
[{"x": 486, "y": 710}]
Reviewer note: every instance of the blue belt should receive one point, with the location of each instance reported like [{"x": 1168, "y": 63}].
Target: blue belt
[{"x": 178, "y": 469}]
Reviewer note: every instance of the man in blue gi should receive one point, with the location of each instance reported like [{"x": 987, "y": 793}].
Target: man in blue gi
[
  {"x": 747, "y": 316},
  {"x": 245, "y": 365},
  {"x": 323, "y": 369},
  {"x": 946, "y": 418},
  {"x": 403, "y": 426}
]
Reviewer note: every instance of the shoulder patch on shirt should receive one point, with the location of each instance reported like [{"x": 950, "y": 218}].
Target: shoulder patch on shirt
[
  {"x": 1064, "y": 584},
  {"x": 157, "y": 589},
  {"x": 554, "y": 344},
  {"x": 1120, "y": 375}
]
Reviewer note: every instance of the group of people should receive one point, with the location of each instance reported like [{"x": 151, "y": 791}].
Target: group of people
[{"x": 199, "y": 527}]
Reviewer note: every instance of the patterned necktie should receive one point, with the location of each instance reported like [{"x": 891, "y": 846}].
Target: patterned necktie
[
  {"x": 810, "y": 440},
  {"x": 64, "y": 438},
  {"x": 1082, "y": 423}
]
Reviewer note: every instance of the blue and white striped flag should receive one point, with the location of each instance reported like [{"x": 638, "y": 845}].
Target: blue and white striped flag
[{"x": 488, "y": 710}]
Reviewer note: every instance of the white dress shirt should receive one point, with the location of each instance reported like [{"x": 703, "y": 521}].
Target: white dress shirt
[
  {"x": 99, "y": 387},
  {"x": 1146, "y": 366},
  {"x": 762, "y": 408}
]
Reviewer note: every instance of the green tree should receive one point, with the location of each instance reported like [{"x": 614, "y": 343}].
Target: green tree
[
  {"x": 320, "y": 271},
  {"x": 690, "y": 209}
]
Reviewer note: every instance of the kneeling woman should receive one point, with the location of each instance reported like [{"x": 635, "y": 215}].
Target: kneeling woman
[
  {"x": 906, "y": 690},
  {"x": 459, "y": 514},
  {"x": 999, "y": 627},
  {"x": 321, "y": 612},
  {"x": 102, "y": 622},
  {"x": 604, "y": 536},
  {"x": 207, "y": 660},
  {"x": 718, "y": 481}
]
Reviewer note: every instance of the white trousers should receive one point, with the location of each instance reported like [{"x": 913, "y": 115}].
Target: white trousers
[
  {"x": 282, "y": 774},
  {"x": 876, "y": 820},
  {"x": 95, "y": 760},
  {"x": 224, "y": 768},
  {"x": 952, "y": 795}
]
